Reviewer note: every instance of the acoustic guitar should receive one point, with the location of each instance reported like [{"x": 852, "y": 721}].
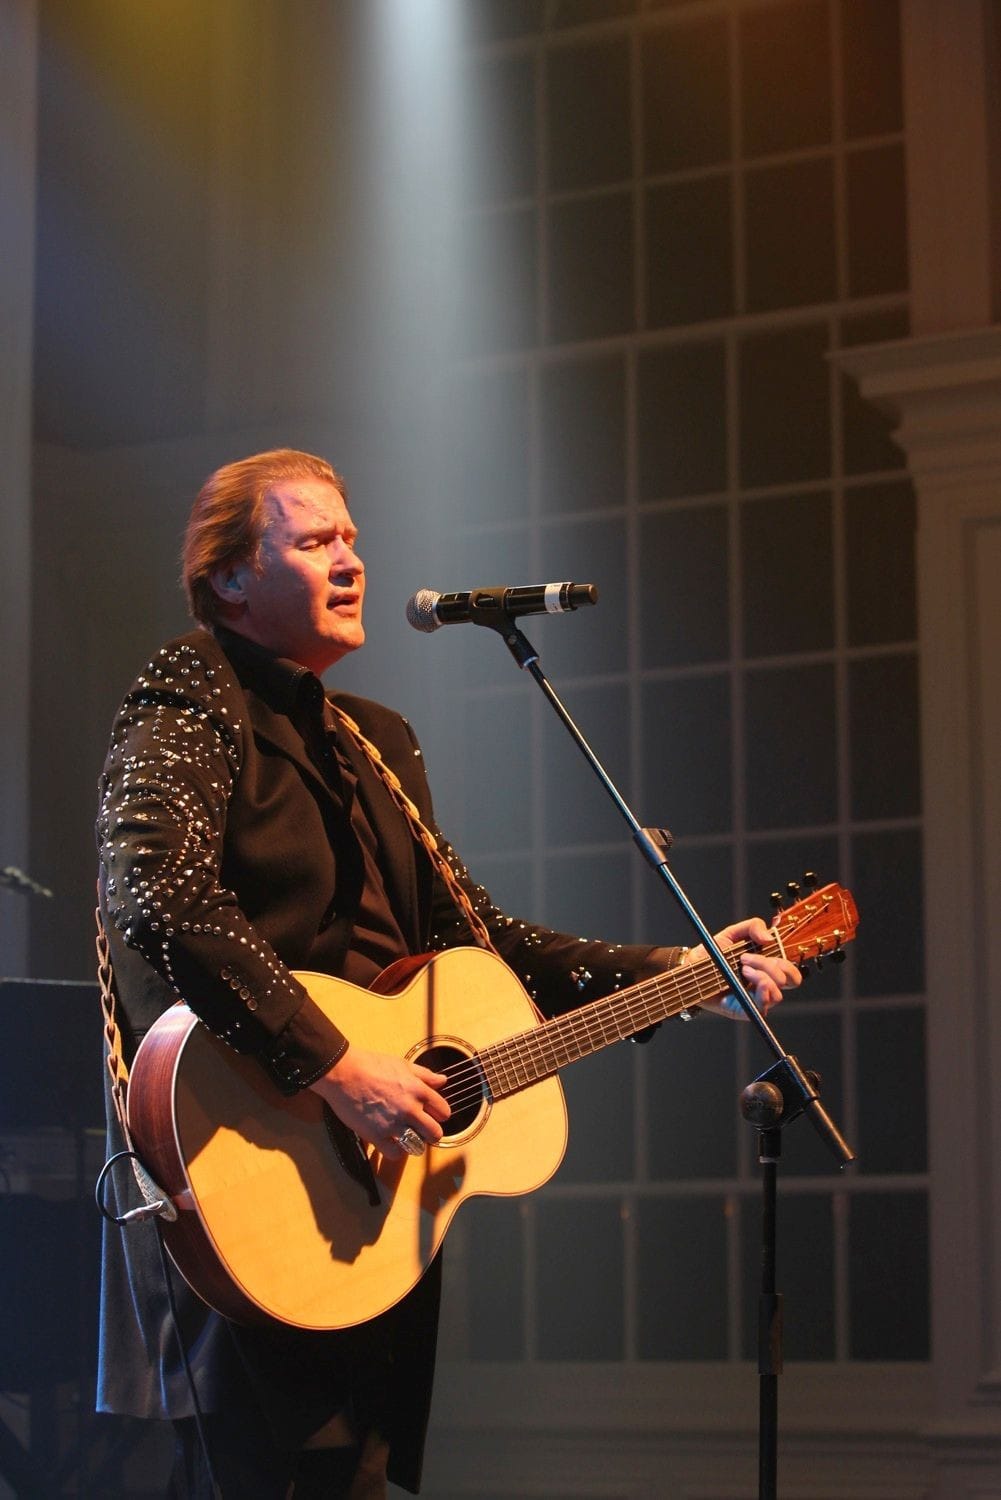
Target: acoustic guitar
[{"x": 280, "y": 1212}]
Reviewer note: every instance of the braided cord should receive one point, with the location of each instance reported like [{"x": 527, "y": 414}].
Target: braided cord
[{"x": 112, "y": 1034}]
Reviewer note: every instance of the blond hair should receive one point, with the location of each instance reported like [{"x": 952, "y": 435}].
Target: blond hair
[{"x": 227, "y": 519}]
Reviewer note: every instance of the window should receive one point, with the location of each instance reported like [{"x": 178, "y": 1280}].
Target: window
[{"x": 699, "y": 202}]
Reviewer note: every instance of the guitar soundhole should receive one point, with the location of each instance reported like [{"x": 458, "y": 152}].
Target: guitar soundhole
[{"x": 464, "y": 1090}]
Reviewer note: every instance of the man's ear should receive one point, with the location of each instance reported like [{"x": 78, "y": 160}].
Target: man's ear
[{"x": 228, "y": 582}]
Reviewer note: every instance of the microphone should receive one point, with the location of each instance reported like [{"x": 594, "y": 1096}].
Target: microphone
[{"x": 427, "y": 610}]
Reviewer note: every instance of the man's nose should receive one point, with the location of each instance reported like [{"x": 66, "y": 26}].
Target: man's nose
[{"x": 344, "y": 559}]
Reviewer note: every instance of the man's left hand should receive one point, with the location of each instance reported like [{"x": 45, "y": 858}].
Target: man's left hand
[{"x": 766, "y": 977}]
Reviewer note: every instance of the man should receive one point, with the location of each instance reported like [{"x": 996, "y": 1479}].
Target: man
[{"x": 245, "y": 832}]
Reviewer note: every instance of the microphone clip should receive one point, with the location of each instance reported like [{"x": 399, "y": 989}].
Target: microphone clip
[
  {"x": 514, "y": 639},
  {"x": 487, "y": 607}
]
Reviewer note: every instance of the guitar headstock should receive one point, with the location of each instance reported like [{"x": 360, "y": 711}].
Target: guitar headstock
[{"x": 818, "y": 924}]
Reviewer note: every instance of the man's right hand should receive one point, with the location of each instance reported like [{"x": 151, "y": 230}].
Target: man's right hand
[{"x": 378, "y": 1096}]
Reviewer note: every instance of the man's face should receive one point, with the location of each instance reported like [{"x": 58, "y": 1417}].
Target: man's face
[{"x": 304, "y": 598}]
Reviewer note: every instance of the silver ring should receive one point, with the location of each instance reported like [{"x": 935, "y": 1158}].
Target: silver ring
[{"x": 410, "y": 1142}]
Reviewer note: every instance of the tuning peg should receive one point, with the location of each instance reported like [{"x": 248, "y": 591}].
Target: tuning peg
[
  {"x": 810, "y": 880},
  {"x": 776, "y": 898},
  {"x": 838, "y": 956},
  {"x": 793, "y": 889},
  {"x": 804, "y": 969}
]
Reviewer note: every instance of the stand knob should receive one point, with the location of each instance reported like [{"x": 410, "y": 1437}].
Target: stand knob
[{"x": 762, "y": 1104}]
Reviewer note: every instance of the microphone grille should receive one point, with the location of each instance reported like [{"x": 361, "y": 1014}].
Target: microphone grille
[{"x": 420, "y": 610}]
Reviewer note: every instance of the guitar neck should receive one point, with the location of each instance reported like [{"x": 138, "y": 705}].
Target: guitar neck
[{"x": 527, "y": 1058}]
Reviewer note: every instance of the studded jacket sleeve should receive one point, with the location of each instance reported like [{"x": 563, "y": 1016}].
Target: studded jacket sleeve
[{"x": 178, "y": 750}]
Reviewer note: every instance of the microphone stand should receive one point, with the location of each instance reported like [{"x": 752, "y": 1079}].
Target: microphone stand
[{"x": 776, "y": 1097}]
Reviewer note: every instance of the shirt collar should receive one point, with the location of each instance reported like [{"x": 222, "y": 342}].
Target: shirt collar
[{"x": 286, "y": 686}]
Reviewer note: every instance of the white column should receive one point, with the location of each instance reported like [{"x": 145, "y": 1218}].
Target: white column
[
  {"x": 18, "y": 99},
  {"x": 943, "y": 388},
  {"x": 946, "y": 395}
]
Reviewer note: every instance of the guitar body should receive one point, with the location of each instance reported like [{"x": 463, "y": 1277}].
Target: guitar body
[
  {"x": 281, "y": 1215},
  {"x": 271, "y": 1222}
]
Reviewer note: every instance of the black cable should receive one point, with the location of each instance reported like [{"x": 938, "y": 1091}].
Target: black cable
[
  {"x": 158, "y": 1209},
  {"x": 189, "y": 1376}
]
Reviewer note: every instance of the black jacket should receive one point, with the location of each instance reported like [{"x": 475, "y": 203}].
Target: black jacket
[{"x": 225, "y": 863}]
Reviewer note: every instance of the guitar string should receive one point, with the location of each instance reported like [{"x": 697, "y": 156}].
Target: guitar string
[
  {"x": 562, "y": 1035},
  {"x": 593, "y": 1025}
]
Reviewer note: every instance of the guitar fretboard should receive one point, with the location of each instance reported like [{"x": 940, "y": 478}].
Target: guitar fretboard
[{"x": 526, "y": 1058}]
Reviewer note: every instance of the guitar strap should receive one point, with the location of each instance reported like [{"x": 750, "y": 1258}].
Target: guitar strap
[
  {"x": 422, "y": 834},
  {"x": 114, "y": 1059}
]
